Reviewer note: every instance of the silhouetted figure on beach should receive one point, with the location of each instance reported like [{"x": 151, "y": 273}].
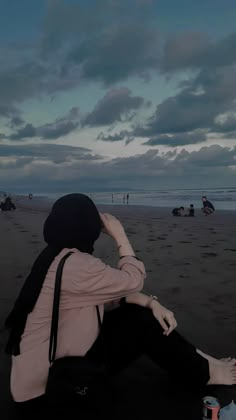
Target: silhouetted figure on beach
[
  {"x": 208, "y": 207},
  {"x": 30, "y": 196},
  {"x": 127, "y": 198},
  {"x": 178, "y": 211},
  {"x": 112, "y": 198},
  {"x": 190, "y": 211},
  {"x": 8, "y": 205}
]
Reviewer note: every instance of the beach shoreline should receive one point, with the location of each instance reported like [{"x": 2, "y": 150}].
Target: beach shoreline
[{"x": 43, "y": 203}]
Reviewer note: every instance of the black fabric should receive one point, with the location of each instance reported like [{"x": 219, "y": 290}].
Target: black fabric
[
  {"x": 55, "y": 309},
  {"x": 73, "y": 222},
  {"x": 131, "y": 331}
]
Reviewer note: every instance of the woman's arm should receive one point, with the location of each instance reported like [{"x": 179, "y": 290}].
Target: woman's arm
[
  {"x": 139, "y": 299},
  {"x": 165, "y": 317}
]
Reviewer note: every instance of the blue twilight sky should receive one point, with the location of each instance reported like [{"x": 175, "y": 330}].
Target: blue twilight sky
[{"x": 104, "y": 94}]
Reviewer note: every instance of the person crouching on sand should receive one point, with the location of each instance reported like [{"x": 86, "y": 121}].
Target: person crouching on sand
[
  {"x": 139, "y": 324},
  {"x": 208, "y": 207},
  {"x": 178, "y": 211}
]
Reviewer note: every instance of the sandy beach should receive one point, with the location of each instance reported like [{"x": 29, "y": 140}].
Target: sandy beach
[{"x": 191, "y": 267}]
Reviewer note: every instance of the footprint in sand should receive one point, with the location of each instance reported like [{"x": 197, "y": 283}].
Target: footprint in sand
[
  {"x": 19, "y": 276},
  {"x": 161, "y": 238},
  {"x": 176, "y": 290},
  {"x": 203, "y": 246},
  {"x": 183, "y": 276},
  {"x": 230, "y": 249},
  {"x": 185, "y": 242},
  {"x": 130, "y": 232},
  {"x": 209, "y": 254}
]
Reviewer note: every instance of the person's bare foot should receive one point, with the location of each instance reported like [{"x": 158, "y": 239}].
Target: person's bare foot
[
  {"x": 222, "y": 375},
  {"x": 226, "y": 361}
]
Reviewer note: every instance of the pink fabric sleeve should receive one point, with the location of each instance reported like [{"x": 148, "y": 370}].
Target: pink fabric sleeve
[{"x": 97, "y": 283}]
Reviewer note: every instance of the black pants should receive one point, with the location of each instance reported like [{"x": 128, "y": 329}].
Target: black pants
[{"x": 131, "y": 331}]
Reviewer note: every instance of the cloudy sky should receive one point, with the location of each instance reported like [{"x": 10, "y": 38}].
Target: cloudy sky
[{"x": 109, "y": 94}]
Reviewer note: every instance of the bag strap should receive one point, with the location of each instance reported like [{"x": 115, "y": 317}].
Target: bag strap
[{"x": 55, "y": 310}]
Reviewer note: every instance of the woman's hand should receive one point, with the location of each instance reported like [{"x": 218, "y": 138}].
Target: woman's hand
[
  {"x": 112, "y": 226},
  {"x": 165, "y": 317}
]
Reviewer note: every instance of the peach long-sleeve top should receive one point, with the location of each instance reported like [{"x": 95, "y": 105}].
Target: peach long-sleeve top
[{"x": 86, "y": 282}]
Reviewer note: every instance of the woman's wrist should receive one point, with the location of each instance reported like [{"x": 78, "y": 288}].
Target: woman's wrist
[
  {"x": 124, "y": 247},
  {"x": 152, "y": 302},
  {"x": 121, "y": 239}
]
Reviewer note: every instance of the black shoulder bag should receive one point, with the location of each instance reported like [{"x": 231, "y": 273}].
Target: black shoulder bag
[{"x": 72, "y": 380}]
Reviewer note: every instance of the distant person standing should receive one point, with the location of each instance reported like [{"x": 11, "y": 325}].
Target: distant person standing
[
  {"x": 127, "y": 198},
  {"x": 112, "y": 198},
  {"x": 208, "y": 207},
  {"x": 30, "y": 196}
]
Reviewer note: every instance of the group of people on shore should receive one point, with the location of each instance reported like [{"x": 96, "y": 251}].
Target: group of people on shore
[{"x": 207, "y": 209}]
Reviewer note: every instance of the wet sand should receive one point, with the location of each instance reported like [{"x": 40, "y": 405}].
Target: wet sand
[{"x": 191, "y": 267}]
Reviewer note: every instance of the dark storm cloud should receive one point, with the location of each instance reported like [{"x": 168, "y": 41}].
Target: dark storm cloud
[
  {"x": 214, "y": 162},
  {"x": 28, "y": 131},
  {"x": 178, "y": 139},
  {"x": 16, "y": 122},
  {"x": 47, "y": 152},
  {"x": 201, "y": 100},
  {"x": 116, "y": 105},
  {"x": 61, "y": 126},
  {"x": 115, "y": 137},
  {"x": 112, "y": 41},
  {"x": 17, "y": 83},
  {"x": 117, "y": 53},
  {"x": 52, "y": 131},
  {"x": 196, "y": 50}
]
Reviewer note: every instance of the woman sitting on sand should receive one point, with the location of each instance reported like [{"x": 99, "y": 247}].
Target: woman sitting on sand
[{"x": 139, "y": 325}]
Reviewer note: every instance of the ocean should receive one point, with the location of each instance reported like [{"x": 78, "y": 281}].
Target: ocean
[{"x": 222, "y": 198}]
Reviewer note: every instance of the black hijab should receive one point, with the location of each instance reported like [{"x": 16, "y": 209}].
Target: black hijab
[{"x": 73, "y": 222}]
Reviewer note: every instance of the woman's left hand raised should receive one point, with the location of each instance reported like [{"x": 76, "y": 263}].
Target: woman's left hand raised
[{"x": 165, "y": 317}]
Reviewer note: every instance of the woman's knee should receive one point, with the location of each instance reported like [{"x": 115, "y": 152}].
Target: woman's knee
[{"x": 141, "y": 315}]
